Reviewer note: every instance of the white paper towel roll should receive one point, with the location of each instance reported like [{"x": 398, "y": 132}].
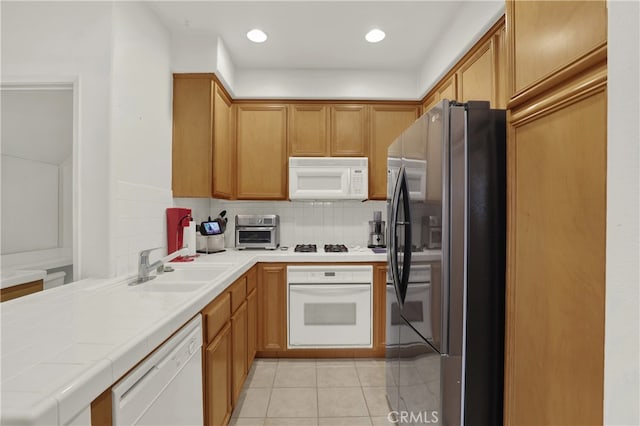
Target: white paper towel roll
[{"x": 189, "y": 238}]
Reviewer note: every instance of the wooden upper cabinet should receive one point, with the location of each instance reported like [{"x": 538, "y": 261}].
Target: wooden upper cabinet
[
  {"x": 476, "y": 77},
  {"x": 449, "y": 89},
  {"x": 387, "y": 123},
  {"x": 502, "y": 72},
  {"x": 223, "y": 145},
  {"x": 192, "y": 135},
  {"x": 348, "y": 136},
  {"x": 261, "y": 151},
  {"x": 429, "y": 102},
  {"x": 571, "y": 30},
  {"x": 308, "y": 130}
]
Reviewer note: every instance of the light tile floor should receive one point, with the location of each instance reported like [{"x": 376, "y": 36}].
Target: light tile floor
[{"x": 301, "y": 392}]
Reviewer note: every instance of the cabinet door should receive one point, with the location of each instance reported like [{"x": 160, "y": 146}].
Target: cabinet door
[
  {"x": 308, "y": 130},
  {"x": 429, "y": 102},
  {"x": 556, "y": 278},
  {"x": 223, "y": 145},
  {"x": 449, "y": 90},
  {"x": 261, "y": 152},
  {"x": 239, "y": 349},
  {"x": 272, "y": 314},
  {"x": 387, "y": 123},
  {"x": 502, "y": 77},
  {"x": 252, "y": 327},
  {"x": 379, "y": 308},
  {"x": 192, "y": 135},
  {"x": 477, "y": 76},
  {"x": 349, "y": 131},
  {"x": 548, "y": 36},
  {"x": 217, "y": 381}
]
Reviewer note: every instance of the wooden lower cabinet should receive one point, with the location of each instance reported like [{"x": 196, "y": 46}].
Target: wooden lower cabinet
[
  {"x": 252, "y": 326},
  {"x": 217, "y": 370},
  {"x": 379, "y": 308},
  {"x": 229, "y": 349},
  {"x": 239, "y": 349},
  {"x": 14, "y": 292},
  {"x": 272, "y": 307}
]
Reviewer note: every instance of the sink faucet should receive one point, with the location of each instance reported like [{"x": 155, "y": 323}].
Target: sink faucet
[{"x": 144, "y": 268}]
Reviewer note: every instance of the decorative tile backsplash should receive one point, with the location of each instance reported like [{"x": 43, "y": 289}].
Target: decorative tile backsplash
[
  {"x": 312, "y": 222},
  {"x": 315, "y": 222}
]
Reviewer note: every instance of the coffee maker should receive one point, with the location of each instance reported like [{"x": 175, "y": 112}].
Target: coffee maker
[{"x": 376, "y": 231}]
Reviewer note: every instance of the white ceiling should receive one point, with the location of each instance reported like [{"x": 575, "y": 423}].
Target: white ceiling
[{"x": 319, "y": 34}]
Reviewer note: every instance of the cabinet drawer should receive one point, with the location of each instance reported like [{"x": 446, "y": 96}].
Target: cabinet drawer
[
  {"x": 216, "y": 315},
  {"x": 252, "y": 279},
  {"x": 238, "y": 293}
]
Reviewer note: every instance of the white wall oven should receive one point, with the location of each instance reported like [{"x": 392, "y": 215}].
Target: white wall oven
[{"x": 329, "y": 306}]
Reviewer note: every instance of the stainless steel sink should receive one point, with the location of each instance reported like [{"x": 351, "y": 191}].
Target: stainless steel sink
[
  {"x": 172, "y": 287},
  {"x": 191, "y": 275}
]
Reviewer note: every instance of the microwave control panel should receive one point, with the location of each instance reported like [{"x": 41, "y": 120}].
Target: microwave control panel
[{"x": 359, "y": 180}]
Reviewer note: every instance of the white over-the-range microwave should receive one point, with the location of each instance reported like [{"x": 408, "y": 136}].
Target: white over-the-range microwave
[{"x": 328, "y": 178}]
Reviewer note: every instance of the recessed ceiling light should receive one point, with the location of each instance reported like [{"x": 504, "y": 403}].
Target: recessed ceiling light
[
  {"x": 375, "y": 36},
  {"x": 257, "y": 36}
]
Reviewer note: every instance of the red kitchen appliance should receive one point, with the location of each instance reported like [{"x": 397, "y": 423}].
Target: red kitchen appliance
[{"x": 177, "y": 219}]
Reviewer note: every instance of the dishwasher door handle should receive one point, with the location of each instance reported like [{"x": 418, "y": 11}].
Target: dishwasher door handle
[{"x": 130, "y": 391}]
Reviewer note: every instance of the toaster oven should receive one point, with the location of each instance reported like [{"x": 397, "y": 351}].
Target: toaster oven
[{"x": 257, "y": 231}]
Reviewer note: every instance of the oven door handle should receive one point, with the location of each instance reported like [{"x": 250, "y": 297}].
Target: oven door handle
[
  {"x": 329, "y": 288},
  {"x": 255, "y": 228}
]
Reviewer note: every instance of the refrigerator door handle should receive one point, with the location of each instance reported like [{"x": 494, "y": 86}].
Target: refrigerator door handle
[
  {"x": 393, "y": 238},
  {"x": 406, "y": 223}
]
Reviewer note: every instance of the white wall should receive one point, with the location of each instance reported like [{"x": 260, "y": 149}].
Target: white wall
[
  {"x": 71, "y": 42},
  {"x": 193, "y": 53},
  {"x": 119, "y": 54},
  {"x": 325, "y": 84},
  {"x": 225, "y": 69},
  {"x": 141, "y": 111},
  {"x": 622, "y": 322},
  {"x": 29, "y": 205},
  {"x": 200, "y": 207}
]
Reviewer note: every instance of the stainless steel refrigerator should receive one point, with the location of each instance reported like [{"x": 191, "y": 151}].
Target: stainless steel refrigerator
[{"x": 446, "y": 267}]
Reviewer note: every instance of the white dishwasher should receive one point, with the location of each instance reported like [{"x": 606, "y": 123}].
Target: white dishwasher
[{"x": 166, "y": 389}]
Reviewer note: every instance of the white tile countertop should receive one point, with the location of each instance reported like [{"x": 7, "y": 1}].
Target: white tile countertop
[
  {"x": 13, "y": 277},
  {"x": 62, "y": 347}
]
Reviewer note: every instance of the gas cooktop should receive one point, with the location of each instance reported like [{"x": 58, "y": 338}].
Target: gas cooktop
[{"x": 328, "y": 248}]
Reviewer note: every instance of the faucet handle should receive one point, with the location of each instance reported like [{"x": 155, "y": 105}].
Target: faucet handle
[{"x": 145, "y": 252}]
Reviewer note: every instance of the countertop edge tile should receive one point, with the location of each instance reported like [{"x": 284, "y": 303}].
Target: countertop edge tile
[{"x": 73, "y": 398}]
